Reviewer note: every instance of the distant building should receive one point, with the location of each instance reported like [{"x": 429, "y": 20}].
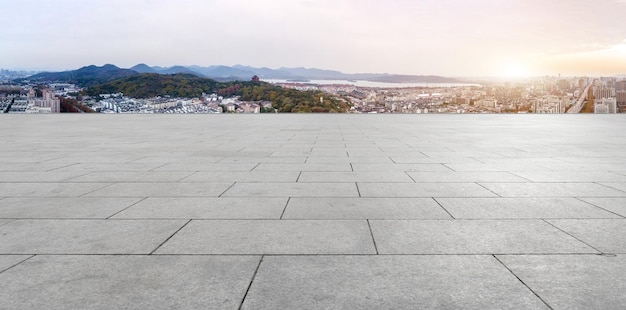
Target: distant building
[
  {"x": 255, "y": 79},
  {"x": 621, "y": 100},
  {"x": 605, "y": 106}
]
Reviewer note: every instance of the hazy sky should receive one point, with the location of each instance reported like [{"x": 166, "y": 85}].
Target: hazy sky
[{"x": 443, "y": 37}]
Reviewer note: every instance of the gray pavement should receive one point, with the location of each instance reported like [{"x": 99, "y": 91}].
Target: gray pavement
[{"x": 312, "y": 212}]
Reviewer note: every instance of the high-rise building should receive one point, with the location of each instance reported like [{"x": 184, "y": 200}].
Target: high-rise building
[{"x": 605, "y": 106}]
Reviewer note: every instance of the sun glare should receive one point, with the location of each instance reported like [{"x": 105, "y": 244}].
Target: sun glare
[{"x": 516, "y": 70}]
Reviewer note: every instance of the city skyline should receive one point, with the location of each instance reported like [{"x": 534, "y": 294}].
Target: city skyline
[{"x": 450, "y": 38}]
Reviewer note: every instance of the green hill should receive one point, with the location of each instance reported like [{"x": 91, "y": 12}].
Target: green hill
[
  {"x": 150, "y": 85},
  {"x": 85, "y": 76}
]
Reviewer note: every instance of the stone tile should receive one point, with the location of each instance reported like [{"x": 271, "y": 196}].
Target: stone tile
[
  {"x": 304, "y": 167},
  {"x": 472, "y": 237},
  {"x": 572, "y": 176},
  {"x": 146, "y": 282},
  {"x": 8, "y": 261},
  {"x": 4, "y": 222},
  {"x": 618, "y": 186},
  {"x": 85, "y": 236},
  {"x": 464, "y": 177},
  {"x": 423, "y": 190},
  {"x": 206, "y": 208},
  {"x": 31, "y": 167},
  {"x": 271, "y": 237},
  {"x": 364, "y": 208},
  {"x": 387, "y": 282},
  {"x": 292, "y": 190},
  {"x": 521, "y": 208},
  {"x": 606, "y": 235},
  {"x": 161, "y": 189},
  {"x": 62, "y": 207},
  {"x": 399, "y": 167},
  {"x": 573, "y": 281},
  {"x": 616, "y": 205},
  {"x": 403, "y": 159},
  {"x": 238, "y": 176},
  {"x": 36, "y": 177},
  {"x": 111, "y": 167},
  {"x": 552, "y": 190},
  {"x": 48, "y": 189},
  {"x": 352, "y": 177},
  {"x": 588, "y": 167},
  {"x": 348, "y": 160},
  {"x": 496, "y": 167},
  {"x": 265, "y": 160},
  {"x": 132, "y": 176},
  {"x": 207, "y": 167}
]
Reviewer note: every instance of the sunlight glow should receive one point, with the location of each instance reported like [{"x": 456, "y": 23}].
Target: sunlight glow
[{"x": 516, "y": 70}]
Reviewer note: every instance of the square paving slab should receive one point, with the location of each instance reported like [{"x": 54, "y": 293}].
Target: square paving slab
[
  {"x": 364, "y": 208},
  {"x": 604, "y": 235},
  {"x": 123, "y": 282},
  {"x": 205, "y": 208},
  {"x": 85, "y": 236},
  {"x": 387, "y": 282},
  {"x": 61, "y": 207},
  {"x": 521, "y": 208},
  {"x": 472, "y": 237},
  {"x": 271, "y": 237},
  {"x": 573, "y": 281}
]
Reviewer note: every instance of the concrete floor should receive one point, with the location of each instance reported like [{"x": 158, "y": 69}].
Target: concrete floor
[{"x": 312, "y": 211}]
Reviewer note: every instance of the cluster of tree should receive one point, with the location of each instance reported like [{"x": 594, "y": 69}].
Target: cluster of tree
[
  {"x": 69, "y": 105},
  {"x": 189, "y": 86}
]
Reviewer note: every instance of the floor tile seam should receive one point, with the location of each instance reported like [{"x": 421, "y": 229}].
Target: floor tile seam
[
  {"x": 95, "y": 190},
  {"x": 610, "y": 187},
  {"x": 170, "y": 237},
  {"x": 223, "y": 192},
  {"x": 61, "y": 167},
  {"x": 369, "y": 226},
  {"x": 444, "y": 208},
  {"x": 579, "y": 254},
  {"x": 486, "y": 188},
  {"x": 517, "y": 175},
  {"x": 124, "y": 209},
  {"x": 522, "y": 281},
  {"x": 243, "y": 299},
  {"x": 571, "y": 235},
  {"x": 15, "y": 265},
  {"x": 598, "y": 207},
  {"x": 285, "y": 208},
  {"x": 190, "y": 174}
]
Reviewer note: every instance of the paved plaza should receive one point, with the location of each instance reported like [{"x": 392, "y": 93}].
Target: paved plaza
[{"x": 312, "y": 212}]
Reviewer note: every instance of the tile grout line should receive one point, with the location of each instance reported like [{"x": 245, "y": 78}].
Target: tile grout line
[
  {"x": 567, "y": 233},
  {"x": 20, "y": 262},
  {"x": 372, "y": 234},
  {"x": 251, "y": 281},
  {"x": 521, "y": 281},
  {"x": 285, "y": 208},
  {"x": 601, "y": 208},
  {"x": 226, "y": 190},
  {"x": 410, "y": 177},
  {"x": 357, "y": 189},
  {"x": 489, "y": 190},
  {"x": 97, "y": 189},
  {"x": 120, "y": 211},
  {"x": 298, "y": 178},
  {"x": 444, "y": 208},
  {"x": 170, "y": 237}
]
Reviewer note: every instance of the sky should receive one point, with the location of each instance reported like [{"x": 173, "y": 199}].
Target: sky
[{"x": 439, "y": 37}]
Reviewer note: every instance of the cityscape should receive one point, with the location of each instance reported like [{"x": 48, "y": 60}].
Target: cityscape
[{"x": 539, "y": 95}]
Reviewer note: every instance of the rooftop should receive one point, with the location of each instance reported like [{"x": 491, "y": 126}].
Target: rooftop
[{"x": 313, "y": 211}]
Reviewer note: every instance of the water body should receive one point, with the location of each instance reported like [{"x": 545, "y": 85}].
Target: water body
[{"x": 372, "y": 84}]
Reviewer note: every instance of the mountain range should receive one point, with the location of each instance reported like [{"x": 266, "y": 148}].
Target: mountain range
[{"x": 93, "y": 75}]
